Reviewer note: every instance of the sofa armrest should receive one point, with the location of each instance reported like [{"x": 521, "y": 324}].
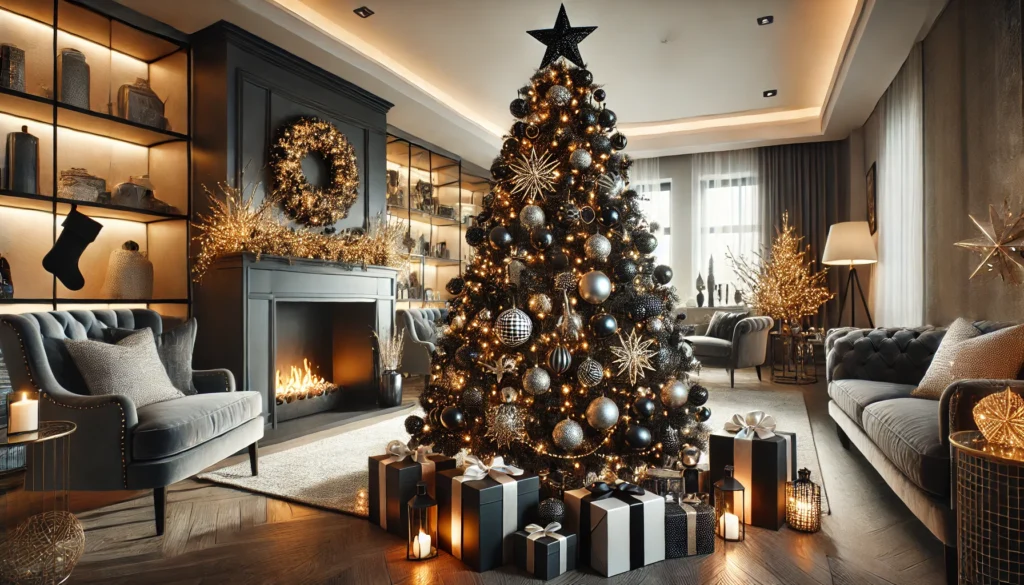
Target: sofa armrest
[
  {"x": 956, "y": 406},
  {"x": 750, "y": 341},
  {"x": 209, "y": 381}
]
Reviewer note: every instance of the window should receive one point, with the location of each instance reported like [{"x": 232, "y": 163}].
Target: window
[{"x": 656, "y": 205}]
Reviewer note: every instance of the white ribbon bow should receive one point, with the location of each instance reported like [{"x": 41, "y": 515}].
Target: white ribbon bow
[
  {"x": 549, "y": 530},
  {"x": 536, "y": 532},
  {"x": 478, "y": 469},
  {"x": 398, "y": 449},
  {"x": 754, "y": 424}
]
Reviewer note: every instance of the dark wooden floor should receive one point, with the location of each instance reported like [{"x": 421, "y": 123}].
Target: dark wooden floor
[{"x": 220, "y": 535}]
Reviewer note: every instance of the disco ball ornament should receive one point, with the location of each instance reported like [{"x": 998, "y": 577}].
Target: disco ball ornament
[
  {"x": 452, "y": 418},
  {"x": 551, "y": 510},
  {"x": 565, "y": 281},
  {"x": 674, "y": 393},
  {"x": 414, "y": 425},
  {"x": 638, "y": 437},
  {"x": 603, "y": 325},
  {"x": 597, "y": 248},
  {"x": 645, "y": 306},
  {"x": 531, "y": 216},
  {"x": 587, "y": 117},
  {"x": 536, "y": 381},
  {"x": 500, "y": 238},
  {"x": 703, "y": 414},
  {"x": 513, "y": 327},
  {"x": 645, "y": 242},
  {"x": 455, "y": 286},
  {"x": 568, "y": 435},
  {"x": 475, "y": 236},
  {"x": 473, "y": 398},
  {"x": 698, "y": 395},
  {"x": 601, "y": 144},
  {"x": 689, "y": 456},
  {"x": 590, "y": 373},
  {"x": 539, "y": 304},
  {"x": 624, "y": 270},
  {"x": 602, "y": 413},
  {"x": 580, "y": 159},
  {"x": 662, "y": 274},
  {"x": 559, "y": 95},
  {"x": 560, "y": 359},
  {"x": 568, "y": 215},
  {"x": 515, "y": 271},
  {"x": 467, "y": 356},
  {"x": 644, "y": 407},
  {"x": 595, "y": 287}
]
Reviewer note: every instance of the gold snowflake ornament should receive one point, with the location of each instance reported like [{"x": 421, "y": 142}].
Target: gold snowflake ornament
[
  {"x": 1000, "y": 418},
  {"x": 534, "y": 175},
  {"x": 501, "y": 366},
  {"x": 633, "y": 356},
  {"x": 1000, "y": 243}
]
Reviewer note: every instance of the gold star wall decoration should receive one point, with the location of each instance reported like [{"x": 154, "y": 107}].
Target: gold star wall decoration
[
  {"x": 633, "y": 356},
  {"x": 1000, "y": 418},
  {"x": 1000, "y": 243},
  {"x": 534, "y": 175}
]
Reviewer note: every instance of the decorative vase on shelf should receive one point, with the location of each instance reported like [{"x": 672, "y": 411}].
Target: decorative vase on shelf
[
  {"x": 73, "y": 78},
  {"x": 711, "y": 281},
  {"x": 390, "y": 391},
  {"x": 129, "y": 273},
  {"x": 6, "y": 282},
  {"x": 22, "y": 162},
  {"x": 700, "y": 299},
  {"x": 12, "y": 67},
  {"x": 139, "y": 103}
]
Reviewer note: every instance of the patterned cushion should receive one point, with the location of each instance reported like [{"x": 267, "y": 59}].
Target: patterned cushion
[
  {"x": 175, "y": 349},
  {"x": 993, "y": 356},
  {"x": 130, "y": 368},
  {"x": 723, "y": 323}
]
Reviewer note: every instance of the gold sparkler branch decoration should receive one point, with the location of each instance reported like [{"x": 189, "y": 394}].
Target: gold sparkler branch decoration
[{"x": 236, "y": 223}]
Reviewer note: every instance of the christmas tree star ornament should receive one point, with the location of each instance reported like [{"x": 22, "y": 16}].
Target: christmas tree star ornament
[
  {"x": 501, "y": 366},
  {"x": 633, "y": 356},
  {"x": 1000, "y": 418},
  {"x": 1000, "y": 244},
  {"x": 562, "y": 40},
  {"x": 533, "y": 176}
]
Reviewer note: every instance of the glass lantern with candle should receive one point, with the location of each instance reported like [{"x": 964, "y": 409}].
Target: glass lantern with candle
[
  {"x": 730, "y": 517},
  {"x": 22, "y": 413},
  {"x": 422, "y": 525},
  {"x": 803, "y": 503}
]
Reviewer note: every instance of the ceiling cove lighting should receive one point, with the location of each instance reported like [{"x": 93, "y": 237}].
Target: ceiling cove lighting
[
  {"x": 765, "y": 20},
  {"x": 770, "y": 93},
  {"x": 363, "y": 12}
]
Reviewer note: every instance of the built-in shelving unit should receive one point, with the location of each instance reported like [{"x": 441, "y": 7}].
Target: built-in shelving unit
[
  {"x": 108, "y": 146},
  {"x": 437, "y": 198}
]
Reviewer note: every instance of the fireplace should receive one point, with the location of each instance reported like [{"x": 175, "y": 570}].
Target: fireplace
[{"x": 300, "y": 334}]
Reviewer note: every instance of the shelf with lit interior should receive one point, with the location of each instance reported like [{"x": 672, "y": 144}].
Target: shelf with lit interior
[{"x": 421, "y": 216}]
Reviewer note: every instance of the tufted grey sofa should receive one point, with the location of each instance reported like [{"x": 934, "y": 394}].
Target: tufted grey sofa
[
  {"x": 871, "y": 373},
  {"x": 748, "y": 347},
  {"x": 118, "y": 446},
  {"x": 420, "y": 337}
]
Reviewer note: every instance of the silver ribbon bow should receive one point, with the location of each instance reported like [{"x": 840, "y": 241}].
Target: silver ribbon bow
[
  {"x": 754, "y": 424},
  {"x": 478, "y": 469},
  {"x": 398, "y": 449},
  {"x": 536, "y": 532},
  {"x": 499, "y": 471}
]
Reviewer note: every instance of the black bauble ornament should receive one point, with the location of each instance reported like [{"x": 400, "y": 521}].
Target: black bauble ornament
[
  {"x": 607, "y": 118},
  {"x": 519, "y": 129},
  {"x": 703, "y": 414},
  {"x": 603, "y": 325},
  {"x": 519, "y": 108},
  {"x": 599, "y": 95},
  {"x": 644, "y": 407},
  {"x": 582, "y": 77},
  {"x": 638, "y": 437},
  {"x": 499, "y": 238},
  {"x": 485, "y": 215},
  {"x": 559, "y": 261},
  {"x": 624, "y": 270},
  {"x": 467, "y": 356},
  {"x": 414, "y": 425},
  {"x": 618, "y": 141},
  {"x": 645, "y": 242},
  {"x": 587, "y": 117},
  {"x": 652, "y": 305},
  {"x": 551, "y": 510},
  {"x": 473, "y": 398},
  {"x": 670, "y": 443},
  {"x": 698, "y": 395},
  {"x": 629, "y": 194},
  {"x": 541, "y": 238},
  {"x": 455, "y": 286},
  {"x": 510, "y": 145},
  {"x": 609, "y": 216},
  {"x": 475, "y": 236},
  {"x": 601, "y": 144},
  {"x": 452, "y": 418},
  {"x": 662, "y": 274},
  {"x": 501, "y": 171}
]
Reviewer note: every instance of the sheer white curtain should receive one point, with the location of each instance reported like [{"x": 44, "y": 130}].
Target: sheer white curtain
[
  {"x": 655, "y": 202},
  {"x": 899, "y": 285},
  {"x": 727, "y": 212}
]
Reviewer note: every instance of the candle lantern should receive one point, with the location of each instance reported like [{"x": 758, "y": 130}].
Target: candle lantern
[
  {"x": 22, "y": 413},
  {"x": 422, "y": 525},
  {"x": 730, "y": 517},
  {"x": 803, "y": 503}
]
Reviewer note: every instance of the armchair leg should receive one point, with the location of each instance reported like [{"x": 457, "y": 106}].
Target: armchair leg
[
  {"x": 758, "y": 368},
  {"x": 254, "y": 458},
  {"x": 160, "y": 508},
  {"x": 732, "y": 378}
]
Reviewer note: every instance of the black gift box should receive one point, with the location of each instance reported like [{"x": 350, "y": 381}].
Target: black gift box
[
  {"x": 772, "y": 462},
  {"x": 484, "y": 546},
  {"x": 683, "y": 540},
  {"x": 546, "y": 554},
  {"x": 400, "y": 482}
]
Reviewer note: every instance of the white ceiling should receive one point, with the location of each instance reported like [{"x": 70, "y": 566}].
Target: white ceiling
[{"x": 682, "y": 75}]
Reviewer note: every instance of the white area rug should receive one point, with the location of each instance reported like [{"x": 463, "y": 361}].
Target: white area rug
[{"x": 332, "y": 472}]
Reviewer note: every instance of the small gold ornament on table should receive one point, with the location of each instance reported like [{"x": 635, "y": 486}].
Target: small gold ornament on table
[
  {"x": 803, "y": 503},
  {"x": 1000, "y": 243},
  {"x": 1000, "y": 418}
]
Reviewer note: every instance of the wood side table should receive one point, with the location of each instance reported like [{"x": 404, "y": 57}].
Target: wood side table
[{"x": 791, "y": 356}]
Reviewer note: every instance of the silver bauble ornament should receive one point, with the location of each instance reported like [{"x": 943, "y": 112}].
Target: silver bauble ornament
[
  {"x": 565, "y": 281},
  {"x": 595, "y": 287},
  {"x": 568, "y": 435},
  {"x": 597, "y": 247},
  {"x": 655, "y": 324},
  {"x": 689, "y": 455},
  {"x": 513, "y": 327},
  {"x": 515, "y": 271},
  {"x": 559, "y": 95},
  {"x": 531, "y": 216},
  {"x": 590, "y": 373},
  {"x": 674, "y": 393},
  {"x": 602, "y": 413},
  {"x": 540, "y": 304},
  {"x": 580, "y": 159},
  {"x": 536, "y": 381}
]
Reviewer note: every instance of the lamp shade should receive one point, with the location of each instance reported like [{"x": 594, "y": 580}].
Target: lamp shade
[{"x": 849, "y": 242}]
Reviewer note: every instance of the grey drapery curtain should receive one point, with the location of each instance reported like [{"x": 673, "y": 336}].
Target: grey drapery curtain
[{"x": 811, "y": 181}]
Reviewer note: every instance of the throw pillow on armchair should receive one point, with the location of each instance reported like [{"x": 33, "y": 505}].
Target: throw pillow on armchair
[{"x": 723, "y": 323}]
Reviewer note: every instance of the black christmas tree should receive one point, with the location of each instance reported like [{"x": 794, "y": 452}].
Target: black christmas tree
[{"x": 560, "y": 351}]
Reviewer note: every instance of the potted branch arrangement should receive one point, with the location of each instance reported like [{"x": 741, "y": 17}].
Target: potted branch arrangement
[{"x": 389, "y": 356}]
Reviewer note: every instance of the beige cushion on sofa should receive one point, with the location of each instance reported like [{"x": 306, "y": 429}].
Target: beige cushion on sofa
[{"x": 993, "y": 356}]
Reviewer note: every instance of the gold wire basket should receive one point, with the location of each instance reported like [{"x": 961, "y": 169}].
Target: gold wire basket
[{"x": 989, "y": 504}]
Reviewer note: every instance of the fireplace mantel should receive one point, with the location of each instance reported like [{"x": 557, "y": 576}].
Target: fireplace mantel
[{"x": 237, "y": 304}]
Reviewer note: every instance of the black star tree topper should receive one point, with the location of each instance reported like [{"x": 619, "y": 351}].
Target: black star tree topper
[{"x": 562, "y": 40}]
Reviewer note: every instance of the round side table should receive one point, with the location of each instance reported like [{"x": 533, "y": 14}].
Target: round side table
[
  {"x": 989, "y": 506},
  {"x": 41, "y": 541}
]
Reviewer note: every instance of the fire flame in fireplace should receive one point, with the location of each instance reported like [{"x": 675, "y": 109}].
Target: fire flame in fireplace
[{"x": 301, "y": 383}]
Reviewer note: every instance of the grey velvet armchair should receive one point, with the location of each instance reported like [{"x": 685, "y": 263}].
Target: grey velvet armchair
[
  {"x": 747, "y": 349},
  {"x": 420, "y": 338},
  {"x": 118, "y": 446}
]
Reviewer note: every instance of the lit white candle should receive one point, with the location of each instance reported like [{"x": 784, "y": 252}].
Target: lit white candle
[
  {"x": 421, "y": 546},
  {"x": 730, "y": 526},
  {"x": 24, "y": 415}
]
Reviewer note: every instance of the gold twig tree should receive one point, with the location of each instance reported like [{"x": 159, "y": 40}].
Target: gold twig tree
[{"x": 782, "y": 281}]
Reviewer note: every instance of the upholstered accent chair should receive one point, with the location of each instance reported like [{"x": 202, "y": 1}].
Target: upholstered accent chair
[
  {"x": 747, "y": 348},
  {"x": 420, "y": 338},
  {"x": 118, "y": 446}
]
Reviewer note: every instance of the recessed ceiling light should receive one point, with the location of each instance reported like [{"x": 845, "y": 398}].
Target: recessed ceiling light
[
  {"x": 770, "y": 93},
  {"x": 765, "y": 20},
  {"x": 363, "y": 12}
]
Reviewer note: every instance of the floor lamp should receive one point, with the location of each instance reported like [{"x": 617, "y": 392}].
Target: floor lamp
[{"x": 850, "y": 244}]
